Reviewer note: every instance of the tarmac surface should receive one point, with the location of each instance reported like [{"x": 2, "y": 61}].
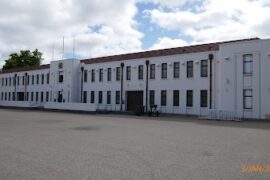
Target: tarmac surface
[{"x": 62, "y": 146}]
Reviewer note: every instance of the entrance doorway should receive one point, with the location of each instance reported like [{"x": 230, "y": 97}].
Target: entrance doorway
[
  {"x": 20, "y": 96},
  {"x": 134, "y": 99}
]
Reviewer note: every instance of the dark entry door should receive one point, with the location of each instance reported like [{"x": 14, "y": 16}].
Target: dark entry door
[
  {"x": 20, "y": 96},
  {"x": 134, "y": 99}
]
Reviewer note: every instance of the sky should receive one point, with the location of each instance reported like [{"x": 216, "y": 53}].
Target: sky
[{"x": 93, "y": 28}]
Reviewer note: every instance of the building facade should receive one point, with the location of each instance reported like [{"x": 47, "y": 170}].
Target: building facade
[{"x": 227, "y": 76}]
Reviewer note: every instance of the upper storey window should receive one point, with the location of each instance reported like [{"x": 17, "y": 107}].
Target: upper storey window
[
  {"x": 61, "y": 77},
  {"x": 204, "y": 68},
  {"x": 140, "y": 72},
  {"x": 248, "y": 64},
  {"x": 189, "y": 69},
  {"x": 60, "y": 65},
  {"x": 164, "y": 70}
]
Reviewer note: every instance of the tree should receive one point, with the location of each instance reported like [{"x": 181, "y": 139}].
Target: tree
[{"x": 25, "y": 58}]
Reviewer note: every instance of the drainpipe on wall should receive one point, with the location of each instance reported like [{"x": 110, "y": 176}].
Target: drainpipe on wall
[
  {"x": 121, "y": 93},
  {"x": 82, "y": 69},
  {"x": 211, "y": 57},
  {"x": 25, "y": 84},
  {"x": 146, "y": 88},
  {"x": 15, "y": 83}
]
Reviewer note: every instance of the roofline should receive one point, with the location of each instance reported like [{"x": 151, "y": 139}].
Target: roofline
[
  {"x": 163, "y": 52},
  {"x": 22, "y": 69}
]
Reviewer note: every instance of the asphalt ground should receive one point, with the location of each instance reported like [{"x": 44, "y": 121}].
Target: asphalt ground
[{"x": 58, "y": 145}]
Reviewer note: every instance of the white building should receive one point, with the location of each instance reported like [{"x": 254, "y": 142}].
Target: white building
[{"x": 230, "y": 76}]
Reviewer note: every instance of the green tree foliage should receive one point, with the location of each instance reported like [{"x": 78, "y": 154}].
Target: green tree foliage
[{"x": 25, "y": 58}]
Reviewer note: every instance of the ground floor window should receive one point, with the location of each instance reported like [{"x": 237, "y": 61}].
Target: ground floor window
[
  {"x": 176, "y": 98},
  {"x": 36, "y": 96},
  {"x": 47, "y": 96},
  {"x": 203, "y": 98},
  {"x": 84, "y": 96},
  {"x": 32, "y": 96},
  {"x": 152, "y": 97},
  {"x": 41, "y": 96},
  {"x": 247, "y": 99},
  {"x": 163, "y": 98},
  {"x": 92, "y": 97},
  {"x": 117, "y": 97},
  {"x": 108, "y": 97},
  {"x": 100, "y": 97},
  {"x": 189, "y": 98}
]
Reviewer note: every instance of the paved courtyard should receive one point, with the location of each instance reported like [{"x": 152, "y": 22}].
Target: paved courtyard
[{"x": 57, "y": 145}]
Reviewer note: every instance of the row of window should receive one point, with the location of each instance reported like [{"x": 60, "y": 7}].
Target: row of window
[
  {"x": 25, "y": 80},
  {"x": 30, "y": 96},
  {"x": 164, "y": 71},
  {"x": 163, "y": 97}
]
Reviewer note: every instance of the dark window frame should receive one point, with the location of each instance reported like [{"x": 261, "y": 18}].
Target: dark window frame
[
  {"x": 245, "y": 97},
  {"x": 140, "y": 72},
  {"x": 189, "y": 98},
  {"x": 190, "y": 70},
  {"x": 152, "y": 71},
  {"x": 176, "y": 98},
  {"x": 163, "y": 98},
  {"x": 164, "y": 71},
  {"x": 204, "y": 98},
  {"x": 176, "y": 70},
  {"x": 204, "y": 68},
  {"x": 128, "y": 73}
]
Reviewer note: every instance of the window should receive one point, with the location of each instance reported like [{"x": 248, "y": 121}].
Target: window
[
  {"x": 100, "y": 75},
  {"x": 84, "y": 96},
  {"x": 100, "y": 97},
  {"x": 152, "y": 71},
  {"x": 18, "y": 83},
  {"x": 13, "y": 96},
  {"x": 152, "y": 97},
  {"x": 37, "y": 79},
  {"x": 27, "y": 96},
  {"x": 247, "y": 99},
  {"x": 164, "y": 71},
  {"x": 60, "y": 65},
  {"x": 117, "y": 97},
  {"x": 176, "y": 98},
  {"x": 41, "y": 96},
  {"x": 9, "y": 81},
  {"x": 47, "y": 96},
  {"x": 189, "y": 69},
  {"x": 28, "y": 79},
  {"x": 163, "y": 98},
  {"x": 92, "y": 97},
  {"x": 204, "y": 68},
  {"x": 9, "y": 96},
  {"x": 118, "y": 74},
  {"x": 85, "y": 75},
  {"x": 48, "y": 78},
  {"x": 128, "y": 72},
  {"x": 247, "y": 64},
  {"x": 140, "y": 72},
  {"x": 108, "y": 97},
  {"x": 189, "y": 98},
  {"x": 2, "y": 95},
  {"x": 32, "y": 96},
  {"x": 42, "y": 79},
  {"x": 203, "y": 98},
  {"x": 93, "y": 75},
  {"x": 33, "y": 79},
  {"x": 36, "y": 96},
  {"x": 109, "y": 74},
  {"x": 61, "y": 77},
  {"x": 176, "y": 69},
  {"x": 23, "y": 80}
]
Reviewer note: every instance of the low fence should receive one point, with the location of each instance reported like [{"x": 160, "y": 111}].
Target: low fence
[
  {"x": 219, "y": 115},
  {"x": 70, "y": 106}
]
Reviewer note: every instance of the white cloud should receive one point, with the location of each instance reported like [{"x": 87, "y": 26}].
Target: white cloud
[
  {"x": 217, "y": 20},
  {"x": 165, "y": 42},
  {"x": 37, "y": 24}
]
